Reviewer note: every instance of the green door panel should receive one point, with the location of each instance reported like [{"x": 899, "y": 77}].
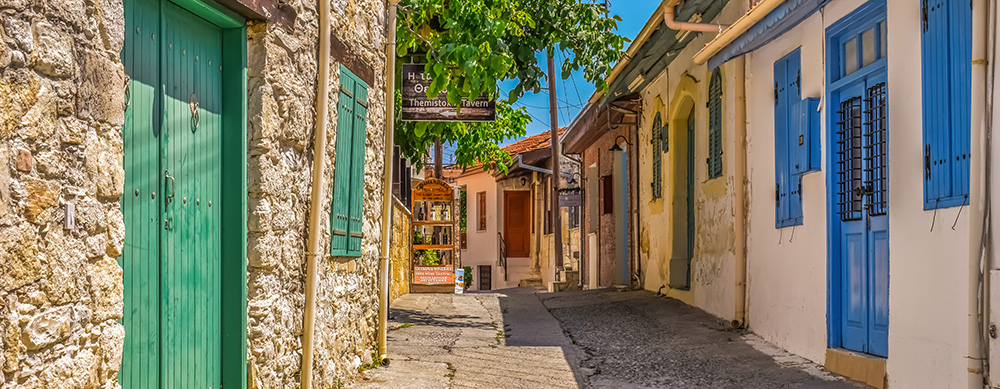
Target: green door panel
[
  {"x": 172, "y": 257},
  {"x": 191, "y": 52},
  {"x": 140, "y": 204}
]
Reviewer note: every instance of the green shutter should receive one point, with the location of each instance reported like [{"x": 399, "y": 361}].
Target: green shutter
[
  {"x": 339, "y": 210},
  {"x": 347, "y": 209},
  {"x": 715, "y": 125},
  {"x": 656, "y": 140},
  {"x": 357, "y": 188}
]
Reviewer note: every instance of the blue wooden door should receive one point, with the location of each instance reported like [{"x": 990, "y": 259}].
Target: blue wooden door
[
  {"x": 859, "y": 233},
  {"x": 863, "y": 215}
]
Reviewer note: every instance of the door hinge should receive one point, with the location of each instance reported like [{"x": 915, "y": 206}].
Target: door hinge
[
  {"x": 777, "y": 193},
  {"x": 927, "y": 162},
  {"x": 924, "y": 15},
  {"x": 798, "y": 82},
  {"x": 775, "y": 93}
]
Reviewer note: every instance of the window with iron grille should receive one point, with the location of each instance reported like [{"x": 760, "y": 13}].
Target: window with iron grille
[{"x": 715, "y": 125}]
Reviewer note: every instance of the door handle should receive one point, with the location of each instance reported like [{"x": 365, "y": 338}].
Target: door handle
[{"x": 168, "y": 179}]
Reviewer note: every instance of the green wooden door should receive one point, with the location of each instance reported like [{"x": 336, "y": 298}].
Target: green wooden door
[{"x": 173, "y": 157}]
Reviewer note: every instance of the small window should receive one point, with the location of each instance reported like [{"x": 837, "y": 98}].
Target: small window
[
  {"x": 482, "y": 210},
  {"x": 574, "y": 217},
  {"x": 656, "y": 136}
]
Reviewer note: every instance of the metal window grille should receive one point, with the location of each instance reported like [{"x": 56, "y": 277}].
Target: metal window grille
[
  {"x": 849, "y": 161},
  {"x": 875, "y": 149}
]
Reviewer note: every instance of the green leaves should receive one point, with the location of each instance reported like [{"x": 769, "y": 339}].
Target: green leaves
[{"x": 471, "y": 45}]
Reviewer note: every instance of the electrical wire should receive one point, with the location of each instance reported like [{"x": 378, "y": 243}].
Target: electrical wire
[{"x": 985, "y": 245}]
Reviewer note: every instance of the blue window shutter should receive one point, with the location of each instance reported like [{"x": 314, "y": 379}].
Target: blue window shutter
[
  {"x": 339, "y": 209},
  {"x": 946, "y": 54},
  {"x": 715, "y": 125},
  {"x": 787, "y": 94},
  {"x": 780, "y": 146},
  {"x": 355, "y": 229},
  {"x": 793, "y": 81},
  {"x": 960, "y": 60},
  {"x": 656, "y": 140}
]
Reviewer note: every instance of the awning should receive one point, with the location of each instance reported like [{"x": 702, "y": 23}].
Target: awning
[{"x": 783, "y": 18}]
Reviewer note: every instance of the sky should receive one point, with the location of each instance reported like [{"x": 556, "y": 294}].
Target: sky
[{"x": 573, "y": 93}]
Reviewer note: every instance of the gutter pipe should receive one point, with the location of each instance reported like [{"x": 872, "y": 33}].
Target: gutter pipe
[
  {"x": 668, "y": 18},
  {"x": 739, "y": 227},
  {"x": 749, "y": 19},
  {"x": 390, "y": 128},
  {"x": 318, "y": 183}
]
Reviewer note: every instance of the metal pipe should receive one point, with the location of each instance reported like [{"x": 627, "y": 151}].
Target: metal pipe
[
  {"x": 390, "y": 128},
  {"x": 734, "y": 31},
  {"x": 668, "y": 18},
  {"x": 740, "y": 111},
  {"x": 318, "y": 183}
]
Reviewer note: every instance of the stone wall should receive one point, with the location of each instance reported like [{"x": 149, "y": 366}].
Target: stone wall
[
  {"x": 282, "y": 91},
  {"x": 401, "y": 251},
  {"x": 61, "y": 95}
]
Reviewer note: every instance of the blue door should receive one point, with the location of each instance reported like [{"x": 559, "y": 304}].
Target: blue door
[{"x": 860, "y": 226}]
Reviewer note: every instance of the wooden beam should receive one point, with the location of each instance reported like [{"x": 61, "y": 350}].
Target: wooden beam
[{"x": 272, "y": 11}]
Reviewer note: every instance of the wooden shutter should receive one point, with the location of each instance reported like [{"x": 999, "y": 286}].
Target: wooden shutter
[
  {"x": 482, "y": 210},
  {"x": 339, "y": 209},
  {"x": 607, "y": 194},
  {"x": 788, "y": 199},
  {"x": 946, "y": 55},
  {"x": 656, "y": 138},
  {"x": 358, "y": 138},
  {"x": 715, "y": 125},
  {"x": 347, "y": 209}
]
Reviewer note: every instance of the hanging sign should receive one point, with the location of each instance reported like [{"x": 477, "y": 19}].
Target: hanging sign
[
  {"x": 418, "y": 108},
  {"x": 433, "y": 190},
  {"x": 570, "y": 200}
]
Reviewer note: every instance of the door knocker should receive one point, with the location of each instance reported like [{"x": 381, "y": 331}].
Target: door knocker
[
  {"x": 128, "y": 93},
  {"x": 194, "y": 112}
]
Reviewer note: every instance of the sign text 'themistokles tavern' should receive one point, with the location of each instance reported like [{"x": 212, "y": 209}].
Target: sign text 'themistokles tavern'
[{"x": 418, "y": 108}]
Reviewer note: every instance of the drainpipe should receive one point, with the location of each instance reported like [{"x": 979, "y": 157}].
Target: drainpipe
[
  {"x": 318, "y": 183},
  {"x": 390, "y": 124},
  {"x": 668, "y": 18},
  {"x": 739, "y": 227}
]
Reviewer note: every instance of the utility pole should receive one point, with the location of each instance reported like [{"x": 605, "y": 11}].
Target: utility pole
[
  {"x": 556, "y": 154},
  {"x": 438, "y": 156}
]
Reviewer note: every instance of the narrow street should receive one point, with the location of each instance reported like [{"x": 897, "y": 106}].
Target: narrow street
[{"x": 520, "y": 338}]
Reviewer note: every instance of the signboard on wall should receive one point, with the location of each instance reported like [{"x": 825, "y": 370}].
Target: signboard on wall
[
  {"x": 417, "y": 107},
  {"x": 433, "y": 275},
  {"x": 570, "y": 200}
]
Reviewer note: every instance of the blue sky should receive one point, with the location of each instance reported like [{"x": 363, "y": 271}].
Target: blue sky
[{"x": 573, "y": 93}]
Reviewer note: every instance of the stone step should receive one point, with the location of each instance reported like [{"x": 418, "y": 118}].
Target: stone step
[{"x": 530, "y": 283}]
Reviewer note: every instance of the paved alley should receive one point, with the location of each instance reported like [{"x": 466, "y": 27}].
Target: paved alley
[{"x": 517, "y": 338}]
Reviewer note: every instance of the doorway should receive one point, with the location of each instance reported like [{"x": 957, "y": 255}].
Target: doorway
[
  {"x": 859, "y": 234},
  {"x": 485, "y": 277},
  {"x": 683, "y": 223},
  {"x": 184, "y": 258},
  {"x": 517, "y": 223}
]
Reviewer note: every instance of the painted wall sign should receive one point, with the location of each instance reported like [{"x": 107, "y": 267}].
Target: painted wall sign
[
  {"x": 418, "y": 108},
  {"x": 433, "y": 275}
]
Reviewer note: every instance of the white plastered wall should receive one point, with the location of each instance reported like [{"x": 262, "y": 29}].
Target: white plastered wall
[
  {"x": 482, "y": 244},
  {"x": 931, "y": 289}
]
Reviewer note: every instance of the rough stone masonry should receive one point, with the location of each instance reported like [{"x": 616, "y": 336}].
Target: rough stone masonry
[
  {"x": 282, "y": 70},
  {"x": 61, "y": 112}
]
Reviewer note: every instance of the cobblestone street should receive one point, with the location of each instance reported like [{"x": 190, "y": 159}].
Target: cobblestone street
[{"x": 517, "y": 338}]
